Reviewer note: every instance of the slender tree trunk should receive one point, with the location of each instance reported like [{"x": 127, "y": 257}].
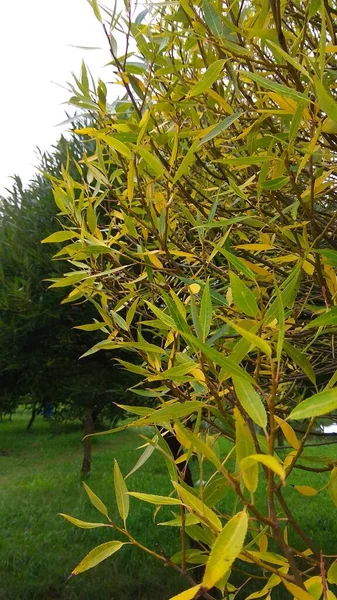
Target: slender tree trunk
[
  {"x": 280, "y": 438},
  {"x": 32, "y": 417},
  {"x": 88, "y": 428}
]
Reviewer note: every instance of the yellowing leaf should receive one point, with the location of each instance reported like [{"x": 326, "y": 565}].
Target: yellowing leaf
[
  {"x": 306, "y": 490},
  {"x": 264, "y": 459},
  {"x": 195, "y": 505},
  {"x": 288, "y": 432},
  {"x": 59, "y": 236},
  {"x": 296, "y": 591},
  {"x": 225, "y": 550},
  {"x": 98, "y": 504},
  {"x": 255, "y": 247},
  {"x": 332, "y": 573},
  {"x": 157, "y": 500},
  {"x": 121, "y": 492},
  {"x": 187, "y": 594},
  {"x": 96, "y": 556},
  {"x": 194, "y": 288},
  {"x": 82, "y": 524},
  {"x": 117, "y": 145},
  {"x": 251, "y": 337},
  {"x": 332, "y": 487}
]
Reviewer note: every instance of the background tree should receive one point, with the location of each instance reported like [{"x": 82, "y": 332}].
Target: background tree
[
  {"x": 214, "y": 262},
  {"x": 40, "y": 349}
]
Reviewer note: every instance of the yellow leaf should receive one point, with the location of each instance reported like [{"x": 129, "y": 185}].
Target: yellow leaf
[
  {"x": 289, "y": 459},
  {"x": 296, "y": 591},
  {"x": 220, "y": 100},
  {"x": 187, "y": 594},
  {"x": 251, "y": 337},
  {"x": 155, "y": 260},
  {"x": 255, "y": 247},
  {"x": 308, "y": 267},
  {"x": 288, "y": 104},
  {"x": 157, "y": 500},
  {"x": 96, "y": 556},
  {"x": 82, "y": 524},
  {"x": 264, "y": 459},
  {"x": 121, "y": 492},
  {"x": 329, "y": 125},
  {"x": 225, "y": 550},
  {"x": 198, "y": 374},
  {"x": 131, "y": 180},
  {"x": 194, "y": 288},
  {"x": 330, "y": 278},
  {"x": 314, "y": 585},
  {"x": 288, "y": 433},
  {"x": 195, "y": 505},
  {"x": 306, "y": 490}
]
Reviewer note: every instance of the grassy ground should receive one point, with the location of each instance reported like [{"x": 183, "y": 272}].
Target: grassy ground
[{"x": 39, "y": 477}]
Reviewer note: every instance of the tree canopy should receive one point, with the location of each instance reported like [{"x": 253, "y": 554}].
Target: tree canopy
[
  {"x": 210, "y": 252},
  {"x": 40, "y": 341}
]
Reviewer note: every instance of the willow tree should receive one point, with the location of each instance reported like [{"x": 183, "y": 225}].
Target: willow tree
[{"x": 210, "y": 252}]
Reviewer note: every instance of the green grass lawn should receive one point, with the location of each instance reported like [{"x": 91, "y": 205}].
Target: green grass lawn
[{"x": 40, "y": 476}]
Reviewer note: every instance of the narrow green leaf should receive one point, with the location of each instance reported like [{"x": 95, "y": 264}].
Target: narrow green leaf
[
  {"x": 144, "y": 457},
  {"x": 243, "y": 297},
  {"x": 152, "y": 161},
  {"x": 217, "y": 129},
  {"x": 316, "y": 406},
  {"x": 329, "y": 318},
  {"x": 268, "y": 84},
  {"x": 332, "y": 487},
  {"x": 95, "y": 501},
  {"x": 296, "y": 120},
  {"x": 244, "y": 446},
  {"x": 205, "y": 312},
  {"x": 218, "y": 358},
  {"x": 207, "y": 79},
  {"x": 59, "y": 236},
  {"x": 117, "y": 145},
  {"x": 250, "y": 401},
  {"x": 121, "y": 492},
  {"x": 274, "y": 184},
  {"x": 281, "y": 324},
  {"x": 301, "y": 360},
  {"x": 97, "y": 555},
  {"x": 327, "y": 103},
  {"x": 157, "y": 500},
  {"x": 290, "y": 59},
  {"x": 212, "y": 18},
  {"x": 185, "y": 164}
]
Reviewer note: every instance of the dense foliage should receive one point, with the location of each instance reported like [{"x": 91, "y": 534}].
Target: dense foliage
[
  {"x": 40, "y": 345},
  {"x": 210, "y": 252}
]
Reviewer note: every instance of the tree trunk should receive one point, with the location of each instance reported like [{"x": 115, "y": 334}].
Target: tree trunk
[
  {"x": 88, "y": 428},
  {"x": 280, "y": 438},
  {"x": 32, "y": 417}
]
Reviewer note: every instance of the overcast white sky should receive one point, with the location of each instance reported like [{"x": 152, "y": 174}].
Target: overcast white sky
[{"x": 35, "y": 38}]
